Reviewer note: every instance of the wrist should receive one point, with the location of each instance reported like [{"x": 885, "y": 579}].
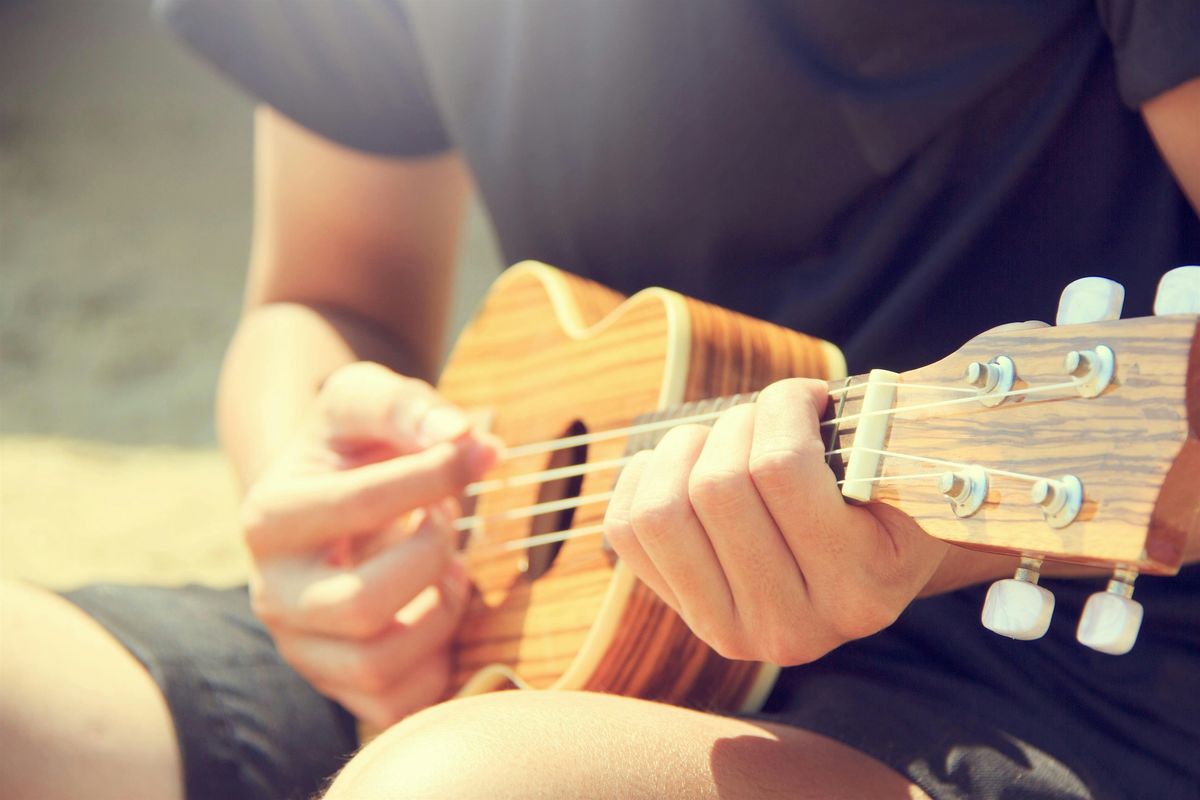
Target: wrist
[{"x": 275, "y": 366}]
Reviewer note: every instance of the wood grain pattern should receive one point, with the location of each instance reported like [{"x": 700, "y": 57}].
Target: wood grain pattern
[
  {"x": 550, "y": 354},
  {"x": 1122, "y": 445},
  {"x": 533, "y": 363}
]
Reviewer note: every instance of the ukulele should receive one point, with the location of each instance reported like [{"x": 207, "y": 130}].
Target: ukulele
[{"x": 1076, "y": 443}]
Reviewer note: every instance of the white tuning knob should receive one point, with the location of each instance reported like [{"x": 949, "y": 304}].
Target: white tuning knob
[
  {"x": 1111, "y": 619},
  {"x": 1178, "y": 292},
  {"x": 1090, "y": 300},
  {"x": 1017, "y": 607}
]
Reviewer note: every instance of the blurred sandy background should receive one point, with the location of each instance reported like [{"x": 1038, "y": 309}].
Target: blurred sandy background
[{"x": 124, "y": 227}]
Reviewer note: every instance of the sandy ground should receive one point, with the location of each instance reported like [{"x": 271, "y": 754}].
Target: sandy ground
[{"x": 124, "y": 222}]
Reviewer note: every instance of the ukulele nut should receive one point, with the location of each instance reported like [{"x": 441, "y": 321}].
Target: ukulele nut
[
  {"x": 1060, "y": 500},
  {"x": 1092, "y": 369},
  {"x": 993, "y": 378},
  {"x": 966, "y": 490}
]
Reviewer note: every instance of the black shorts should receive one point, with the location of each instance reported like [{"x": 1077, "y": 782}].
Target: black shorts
[{"x": 959, "y": 711}]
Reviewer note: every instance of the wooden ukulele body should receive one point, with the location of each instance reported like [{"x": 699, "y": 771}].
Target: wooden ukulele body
[{"x": 551, "y": 355}]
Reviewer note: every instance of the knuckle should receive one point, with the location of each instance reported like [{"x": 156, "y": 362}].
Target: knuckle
[
  {"x": 655, "y": 518},
  {"x": 730, "y": 646},
  {"x": 264, "y": 604},
  {"x": 353, "y": 501},
  {"x": 719, "y": 491},
  {"x": 683, "y": 435},
  {"x": 778, "y": 390},
  {"x": 790, "y": 388},
  {"x": 775, "y": 470},
  {"x": 618, "y": 530},
  {"x": 361, "y": 620},
  {"x": 782, "y": 646},
  {"x": 255, "y": 519},
  {"x": 367, "y": 672},
  {"x": 350, "y": 375},
  {"x": 725, "y": 640},
  {"x": 431, "y": 545},
  {"x": 454, "y": 466},
  {"x": 861, "y": 614},
  {"x": 357, "y": 616}
]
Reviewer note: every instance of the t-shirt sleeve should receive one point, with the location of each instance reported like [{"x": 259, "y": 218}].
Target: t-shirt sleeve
[
  {"x": 1156, "y": 43},
  {"x": 350, "y": 71}
]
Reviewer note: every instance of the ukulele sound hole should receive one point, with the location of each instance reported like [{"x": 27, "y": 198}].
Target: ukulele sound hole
[{"x": 542, "y": 556}]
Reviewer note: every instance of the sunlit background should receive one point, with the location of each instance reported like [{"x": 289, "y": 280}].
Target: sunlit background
[{"x": 124, "y": 226}]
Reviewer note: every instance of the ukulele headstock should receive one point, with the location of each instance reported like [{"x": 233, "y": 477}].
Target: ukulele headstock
[
  {"x": 1076, "y": 443},
  {"x": 1075, "y": 460}
]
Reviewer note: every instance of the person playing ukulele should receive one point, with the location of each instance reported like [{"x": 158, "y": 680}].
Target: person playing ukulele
[{"x": 892, "y": 178}]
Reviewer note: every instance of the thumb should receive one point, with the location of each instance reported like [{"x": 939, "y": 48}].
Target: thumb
[{"x": 367, "y": 402}]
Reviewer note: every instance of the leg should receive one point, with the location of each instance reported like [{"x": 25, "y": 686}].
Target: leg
[
  {"x": 571, "y": 744},
  {"x": 79, "y": 716}
]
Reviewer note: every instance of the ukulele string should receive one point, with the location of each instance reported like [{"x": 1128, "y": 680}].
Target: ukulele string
[
  {"x": 1074, "y": 382},
  {"x": 526, "y": 478},
  {"x": 552, "y": 445},
  {"x": 479, "y": 488},
  {"x": 469, "y": 523},
  {"x": 524, "y": 512},
  {"x": 596, "y": 529}
]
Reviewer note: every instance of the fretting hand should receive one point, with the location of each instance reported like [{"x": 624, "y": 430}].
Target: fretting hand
[
  {"x": 350, "y": 530},
  {"x": 743, "y": 531}
]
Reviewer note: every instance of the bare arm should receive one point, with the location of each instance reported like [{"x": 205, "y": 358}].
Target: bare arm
[
  {"x": 1174, "y": 121},
  {"x": 352, "y": 259},
  {"x": 348, "y": 466}
]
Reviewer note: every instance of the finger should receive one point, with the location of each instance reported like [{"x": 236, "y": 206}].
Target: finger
[
  {"x": 423, "y": 685},
  {"x": 788, "y": 466},
  {"x": 365, "y": 402},
  {"x": 309, "y": 511},
  {"x": 618, "y": 529},
  {"x": 669, "y": 532},
  {"x": 860, "y": 573},
  {"x": 763, "y": 575},
  {"x": 361, "y": 601},
  {"x": 373, "y": 666}
]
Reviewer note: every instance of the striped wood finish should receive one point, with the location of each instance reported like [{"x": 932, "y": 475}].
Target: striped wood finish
[
  {"x": 546, "y": 351},
  {"x": 1121, "y": 445}
]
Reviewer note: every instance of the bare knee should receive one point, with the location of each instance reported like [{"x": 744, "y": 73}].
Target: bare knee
[
  {"x": 485, "y": 746},
  {"x": 577, "y": 744}
]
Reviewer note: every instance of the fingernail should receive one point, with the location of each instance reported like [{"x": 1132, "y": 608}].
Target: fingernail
[
  {"x": 483, "y": 454},
  {"x": 456, "y": 578},
  {"x": 438, "y": 518},
  {"x": 443, "y": 424}
]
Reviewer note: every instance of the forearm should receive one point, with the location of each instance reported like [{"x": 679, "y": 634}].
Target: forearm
[
  {"x": 278, "y": 359},
  {"x": 352, "y": 260}
]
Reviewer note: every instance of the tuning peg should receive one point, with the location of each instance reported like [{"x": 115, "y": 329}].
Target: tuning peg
[
  {"x": 1111, "y": 619},
  {"x": 1090, "y": 300},
  {"x": 1017, "y": 607},
  {"x": 1178, "y": 292}
]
